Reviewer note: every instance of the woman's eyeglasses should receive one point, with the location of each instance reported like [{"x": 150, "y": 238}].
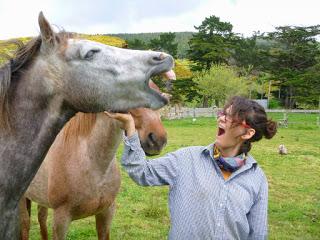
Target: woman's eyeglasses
[{"x": 228, "y": 118}]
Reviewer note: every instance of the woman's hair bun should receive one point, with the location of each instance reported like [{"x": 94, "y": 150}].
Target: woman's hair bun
[{"x": 271, "y": 129}]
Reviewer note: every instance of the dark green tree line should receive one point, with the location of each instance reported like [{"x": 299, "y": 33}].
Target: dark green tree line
[
  {"x": 288, "y": 58},
  {"x": 291, "y": 61}
]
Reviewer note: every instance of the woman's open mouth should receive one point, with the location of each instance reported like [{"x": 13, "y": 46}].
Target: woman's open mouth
[{"x": 221, "y": 131}]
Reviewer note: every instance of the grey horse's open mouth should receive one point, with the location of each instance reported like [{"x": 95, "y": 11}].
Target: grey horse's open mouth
[
  {"x": 165, "y": 97},
  {"x": 163, "y": 69},
  {"x": 168, "y": 76}
]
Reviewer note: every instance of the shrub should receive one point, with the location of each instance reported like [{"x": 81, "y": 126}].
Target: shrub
[{"x": 274, "y": 104}]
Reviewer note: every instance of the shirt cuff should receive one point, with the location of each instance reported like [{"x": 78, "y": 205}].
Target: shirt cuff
[{"x": 133, "y": 141}]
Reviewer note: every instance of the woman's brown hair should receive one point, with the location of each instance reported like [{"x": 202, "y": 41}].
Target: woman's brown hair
[{"x": 254, "y": 115}]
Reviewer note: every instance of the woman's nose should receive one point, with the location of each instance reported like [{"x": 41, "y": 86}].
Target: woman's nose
[{"x": 221, "y": 117}]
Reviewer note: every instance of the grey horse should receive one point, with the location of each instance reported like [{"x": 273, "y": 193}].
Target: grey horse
[{"x": 50, "y": 79}]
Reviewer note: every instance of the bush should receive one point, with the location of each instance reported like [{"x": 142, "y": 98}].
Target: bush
[{"x": 274, "y": 104}]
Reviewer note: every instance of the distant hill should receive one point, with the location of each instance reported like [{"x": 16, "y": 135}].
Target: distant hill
[{"x": 182, "y": 39}]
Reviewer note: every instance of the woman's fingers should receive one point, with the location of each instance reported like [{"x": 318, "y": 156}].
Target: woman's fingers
[
  {"x": 127, "y": 122},
  {"x": 119, "y": 116},
  {"x": 112, "y": 115}
]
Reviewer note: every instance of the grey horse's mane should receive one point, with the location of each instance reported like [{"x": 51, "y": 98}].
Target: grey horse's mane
[{"x": 16, "y": 65}]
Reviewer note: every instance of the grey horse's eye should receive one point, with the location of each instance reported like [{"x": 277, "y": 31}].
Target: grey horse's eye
[{"x": 89, "y": 55}]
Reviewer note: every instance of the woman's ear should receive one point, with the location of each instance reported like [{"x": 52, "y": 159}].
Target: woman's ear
[{"x": 249, "y": 134}]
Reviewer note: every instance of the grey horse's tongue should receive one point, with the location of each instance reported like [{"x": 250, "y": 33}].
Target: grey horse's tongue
[{"x": 154, "y": 86}]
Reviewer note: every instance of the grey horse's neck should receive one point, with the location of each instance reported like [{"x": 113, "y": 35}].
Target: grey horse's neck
[
  {"x": 35, "y": 121},
  {"x": 103, "y": 142}
]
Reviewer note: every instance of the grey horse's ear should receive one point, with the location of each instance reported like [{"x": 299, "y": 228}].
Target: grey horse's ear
[{"x": 47, "y": 34}]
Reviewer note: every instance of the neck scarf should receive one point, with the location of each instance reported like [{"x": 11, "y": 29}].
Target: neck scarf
[{"x": 230, "y": 164}]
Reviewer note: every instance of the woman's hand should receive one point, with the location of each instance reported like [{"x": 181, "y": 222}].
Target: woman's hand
[{"x": 127, "y": 122}]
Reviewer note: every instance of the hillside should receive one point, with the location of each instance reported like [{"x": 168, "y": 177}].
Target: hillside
[{"x": 182, "y": 39}]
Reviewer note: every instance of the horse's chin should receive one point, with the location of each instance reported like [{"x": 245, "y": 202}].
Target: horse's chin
[
  {"x": 150, "y": 154},
  {"x": 153, "y": 148}
]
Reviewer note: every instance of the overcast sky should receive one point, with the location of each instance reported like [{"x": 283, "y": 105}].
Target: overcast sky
[{"x": 19, "y": 17}]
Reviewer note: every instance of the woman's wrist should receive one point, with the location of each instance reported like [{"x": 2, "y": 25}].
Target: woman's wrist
[{"x": 130, "y": 129}]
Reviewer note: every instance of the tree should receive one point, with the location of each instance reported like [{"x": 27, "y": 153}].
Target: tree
[
  {"x": 137, "y": 44},
  {"x": 219, "y": 83},
  {"x": 166, "y": 43},
  {"x": 181, "y": 38},
  {"x": 310, "y": 96},
  {"x": 248, "y": 52},
  {"x": 293, "y": 54},
  {"x": 212, "y": 44}
]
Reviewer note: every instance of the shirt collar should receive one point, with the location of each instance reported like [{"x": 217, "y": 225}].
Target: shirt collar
[
  {"x": 250, "y": 161},
  {"x": 208, "y": 149}
]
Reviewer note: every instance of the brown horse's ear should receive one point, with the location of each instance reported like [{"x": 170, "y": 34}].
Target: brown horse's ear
[{"x": 47, "y": 34}]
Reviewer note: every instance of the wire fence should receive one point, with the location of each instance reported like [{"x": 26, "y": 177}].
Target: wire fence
[{"x": 284, "y": 117}]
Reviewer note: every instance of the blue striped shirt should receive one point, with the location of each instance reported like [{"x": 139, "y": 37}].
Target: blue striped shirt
[{"x": 203, "y": 205}]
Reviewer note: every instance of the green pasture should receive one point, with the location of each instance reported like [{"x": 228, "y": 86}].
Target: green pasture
[{"x": 294, "y": 184}]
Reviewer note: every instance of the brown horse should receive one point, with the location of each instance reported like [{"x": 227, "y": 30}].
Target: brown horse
[
  {"x": 50, "y": 79},
  {"x": 79, "y": 176}
]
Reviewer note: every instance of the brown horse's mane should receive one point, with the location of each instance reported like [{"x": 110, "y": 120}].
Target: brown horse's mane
[
  {"x": 17, "y": 64},
  {"x": 78, "y": 126}
]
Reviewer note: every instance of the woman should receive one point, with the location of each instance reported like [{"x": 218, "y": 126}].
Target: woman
[{"x": 217, "y": 191}]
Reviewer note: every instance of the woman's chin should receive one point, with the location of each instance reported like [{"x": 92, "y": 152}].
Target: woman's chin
[
  {"x": 217, "y": 143},
  {"x": 220, "y": 139},
  {"x": 222, "y": 143}
]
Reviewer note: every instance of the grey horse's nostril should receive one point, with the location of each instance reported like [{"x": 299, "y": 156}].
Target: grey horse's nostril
[{"x": 160, "y": 57}]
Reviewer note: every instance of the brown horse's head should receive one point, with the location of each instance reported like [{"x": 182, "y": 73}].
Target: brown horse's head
[{"x": 152, "y": 135}]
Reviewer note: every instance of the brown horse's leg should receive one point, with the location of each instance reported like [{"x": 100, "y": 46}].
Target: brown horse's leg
[
  {"x": 42, "y": 219},
  {"x": 103, "y": 222},
  {"x": 25, "y": 214},
  {"x": 61, "y": 222}
]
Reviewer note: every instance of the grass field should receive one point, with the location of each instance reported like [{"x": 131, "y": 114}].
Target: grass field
[{"x": 294, "y": 185}]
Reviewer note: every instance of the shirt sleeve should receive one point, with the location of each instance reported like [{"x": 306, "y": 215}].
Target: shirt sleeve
[
  {"x": 258, "y": 216},
  {"x": 156, "y": 172}
]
